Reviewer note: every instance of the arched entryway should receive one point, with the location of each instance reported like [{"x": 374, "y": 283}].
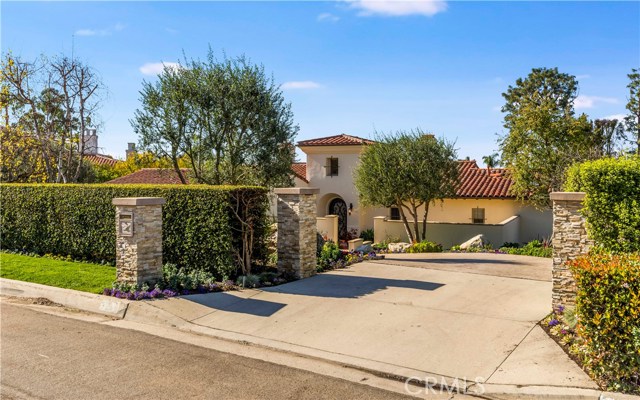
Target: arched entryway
[{"x": 338, "y": 207}]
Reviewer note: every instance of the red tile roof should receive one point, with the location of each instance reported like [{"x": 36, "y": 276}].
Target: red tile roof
[
  {"x": 478, "y": 182},
  {"x": 337, "y": 140},
  {"x": 300, "y": 170},
  {"x": 101, "y": 159},
  {"x": 153, "y": 176},
  {"x": 475, "y": 182}
]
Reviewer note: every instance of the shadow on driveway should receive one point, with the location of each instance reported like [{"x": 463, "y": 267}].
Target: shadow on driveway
[
  {"x": 347, "y": 287},
  {"x": 323, "y": 285}
]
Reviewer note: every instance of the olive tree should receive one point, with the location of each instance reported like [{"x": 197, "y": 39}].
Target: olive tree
[
  {"x": 407, "y": 170},
  {"x": 225, "y": 119}
]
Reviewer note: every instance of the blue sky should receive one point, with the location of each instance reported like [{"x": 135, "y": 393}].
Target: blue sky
[{"x": 349, "y": 66}]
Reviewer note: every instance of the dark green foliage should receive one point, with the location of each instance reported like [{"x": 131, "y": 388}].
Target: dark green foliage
[
  {"x": 534, "y": 248},
  {"x": 612, "y": 203},
  {"x": 367, "y": 235},
  {"x": 608, "y": 307},
  {"x": 200, "y": 230}
]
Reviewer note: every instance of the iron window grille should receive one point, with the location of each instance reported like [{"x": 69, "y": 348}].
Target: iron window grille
[
  {"x": 332, "y": 166},
  {"x": 477, "y": 215}
]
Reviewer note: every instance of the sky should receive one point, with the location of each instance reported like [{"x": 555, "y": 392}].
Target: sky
[{"x": 356, "y": 67}]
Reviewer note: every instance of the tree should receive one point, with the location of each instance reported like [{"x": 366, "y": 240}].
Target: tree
[
  {"x": 633, "y": 105},
  {"x": 225, "y": 118},
  {"x": 606, "y": 134},
  {"x": 407, "y": 170},
  {"x": 491, "y": 161},
  {"x": 544, "y": 136},
  {"x": 52, "y": 101}
]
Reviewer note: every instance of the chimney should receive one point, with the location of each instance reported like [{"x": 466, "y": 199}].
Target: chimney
[
  {"x": 131, "y": 149},
  {"x": 90, "y": 141}
]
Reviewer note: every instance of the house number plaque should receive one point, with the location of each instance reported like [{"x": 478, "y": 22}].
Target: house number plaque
[{"x": 126, "y": 224}]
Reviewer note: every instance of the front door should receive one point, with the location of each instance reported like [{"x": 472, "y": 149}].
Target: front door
[{"x": 339, "y": 207}]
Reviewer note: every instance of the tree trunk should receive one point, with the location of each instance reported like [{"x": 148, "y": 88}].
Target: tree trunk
[
  {"x": 424, "y": 221},
  {"x": 406, "y": 223},
  {"x": 416, "y": 224}
]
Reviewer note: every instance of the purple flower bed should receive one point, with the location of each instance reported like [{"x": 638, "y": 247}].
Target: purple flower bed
[{"x": 158, "y": 293}]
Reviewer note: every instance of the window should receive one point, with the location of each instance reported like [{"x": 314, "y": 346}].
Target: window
[
  {"x": 394, "y": 214},
  {"x": 477, "y": 215},
  {"x": 332, "y": 166}
]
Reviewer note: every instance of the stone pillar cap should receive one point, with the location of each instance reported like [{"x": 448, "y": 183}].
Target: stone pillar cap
[
  {"x": 138, "y": 201},
  {"x": 302, "y": 190},
  {"x": 567, "y": 196}
]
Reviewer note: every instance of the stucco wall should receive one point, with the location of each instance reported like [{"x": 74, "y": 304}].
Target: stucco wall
[{"x": 449, "y": 234}]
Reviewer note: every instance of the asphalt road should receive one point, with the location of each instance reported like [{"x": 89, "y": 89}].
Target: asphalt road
[{"x": 50, "y": 357}]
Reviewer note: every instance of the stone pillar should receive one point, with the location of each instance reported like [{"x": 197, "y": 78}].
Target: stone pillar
[
  {"x": 139, "y": 239},
  {"x": 569, "y": 241},
  {"x": 297, "y": 231}
]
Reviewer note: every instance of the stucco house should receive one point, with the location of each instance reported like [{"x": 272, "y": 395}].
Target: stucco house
[{"x": 483, "y": 202}]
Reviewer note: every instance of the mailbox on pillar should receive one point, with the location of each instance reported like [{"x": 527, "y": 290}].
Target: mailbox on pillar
[
  {"x": 126, "y": 223},
  {"x": 139, "y": 239}
]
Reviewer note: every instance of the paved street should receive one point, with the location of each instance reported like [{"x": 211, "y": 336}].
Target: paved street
[{"x": 50, "y": 357}]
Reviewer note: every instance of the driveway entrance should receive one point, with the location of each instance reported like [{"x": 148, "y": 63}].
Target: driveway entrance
[{"x": 467, "y": 316}]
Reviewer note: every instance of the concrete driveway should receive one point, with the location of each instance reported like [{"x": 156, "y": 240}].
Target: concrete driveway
[{"x": 467, "y": 316}]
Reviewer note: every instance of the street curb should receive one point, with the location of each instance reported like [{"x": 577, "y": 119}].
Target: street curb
[{"x": 95, "y": 303}]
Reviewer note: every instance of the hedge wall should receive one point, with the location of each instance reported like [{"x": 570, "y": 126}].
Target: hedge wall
[
  {"x": 608, "y": 305},
  {"x": 612, "y": 203},
  {"x": 199, "y": 229}
]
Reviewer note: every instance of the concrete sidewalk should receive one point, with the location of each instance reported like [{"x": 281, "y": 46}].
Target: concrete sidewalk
[{"x": 431, "y": 323}]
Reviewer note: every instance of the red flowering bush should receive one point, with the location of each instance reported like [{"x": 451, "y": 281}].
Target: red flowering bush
[{"x": 608, "y": 308}]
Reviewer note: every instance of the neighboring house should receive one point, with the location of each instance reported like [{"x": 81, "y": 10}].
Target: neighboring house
[
  {"x": 101, "y": 159},
  {"x": 483, "y": 203},
  {"x": 152, "y": 176}
]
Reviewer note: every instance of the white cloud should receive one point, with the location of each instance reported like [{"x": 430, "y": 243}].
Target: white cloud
[
  {"x": 395, "y": 8},
  {"x": 583, "y": 101},
  {"x": 328, "y": 17},
  {"x": 100, "y": 32},
  {"x": 619, "y": 117},
  {"x": 583, "y": 76},
  {"x": 157, "y": 68},
  {"x": 300, "y": 85},
  {"x": 171, "y": 31}
]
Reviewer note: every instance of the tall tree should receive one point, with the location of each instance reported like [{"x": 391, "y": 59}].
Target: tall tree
[
  {"x": 407, "y": 170},
  {"x": 225, "y": 118},
  {"x": 632, "y": 121},
  {"x": 491, "y": 161},
  {"x": 544, "y": 136},
  {"x": 607, "y": 134},
  {"x": 52, "y": 101}
]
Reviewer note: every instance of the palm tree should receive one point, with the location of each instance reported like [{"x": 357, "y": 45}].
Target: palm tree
[{"x": 491, "y": 161}]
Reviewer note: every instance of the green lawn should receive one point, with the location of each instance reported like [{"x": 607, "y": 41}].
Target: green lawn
[{"x": 65, "y": 274}]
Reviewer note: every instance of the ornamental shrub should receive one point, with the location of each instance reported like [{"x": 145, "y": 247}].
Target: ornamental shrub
[
  {"x": 425, "y": 247},
  {"x": 200, "y": 231},
  {"x": 534, "y": 248},
  {"x": 612, "y": 202},
  {"x": 329, "y": 255},
  {"x": 608, "y": 308}
]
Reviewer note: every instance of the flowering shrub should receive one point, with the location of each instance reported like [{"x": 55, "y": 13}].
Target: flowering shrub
[
  {"x": 425, "y": 247},
  {"x": 534, "y": 248},
  {"x": 608, "y": 305},
  {"x": 175, "y": 281}
]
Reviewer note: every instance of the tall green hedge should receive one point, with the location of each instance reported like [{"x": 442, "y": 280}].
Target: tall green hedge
[
  {"x": 199, "y": 229},
  {"x": 612, "y": 202}
]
